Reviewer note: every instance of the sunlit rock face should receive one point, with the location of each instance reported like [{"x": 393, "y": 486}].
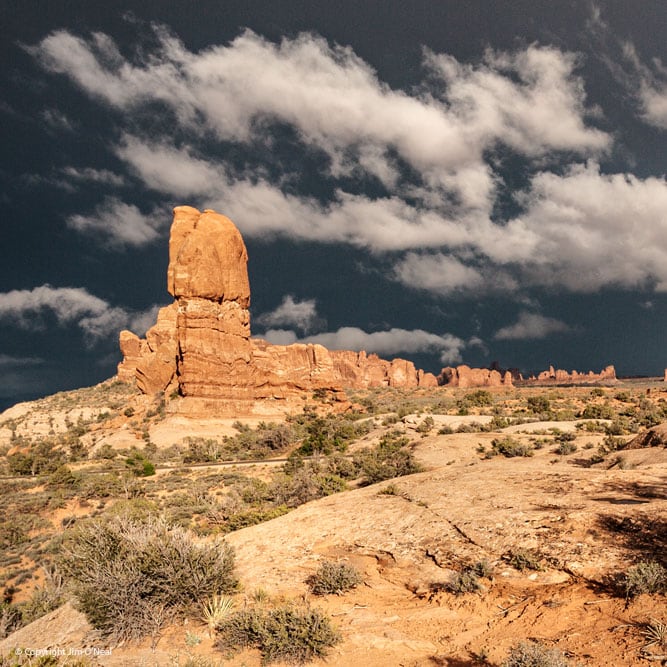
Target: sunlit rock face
[{"x": 201, "y": 344}]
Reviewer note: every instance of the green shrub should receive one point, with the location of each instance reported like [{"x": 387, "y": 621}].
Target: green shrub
[
  {"x": 510, "y": 447},
  {"x": 139, "y": 465},
  {"x": 253, "y": 516},
  {"x": 284, "y": 634},
  {"x": 646, "y": 577},
  {"x": 426, "y": 425},
  {"x": 597, "y": 412},
  {"x": 565, "y": 448},
  {"x": 334, "y": 578},
  {"x": 480, "y": 398},
  {"x": 539, "y": 404},
  {"x": 131, "y": 577},
  {"x": 534, "y": 654},
  {"x": 390, "y": 458}
]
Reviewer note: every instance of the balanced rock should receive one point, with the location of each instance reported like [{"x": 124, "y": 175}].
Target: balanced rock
[{"x": 201, "y": 344}]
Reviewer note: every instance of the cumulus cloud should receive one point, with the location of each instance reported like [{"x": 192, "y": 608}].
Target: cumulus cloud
[
  {"x": 299, "y": 314},
  {"x": 384, "y": 343},
  {"x": 531, "y": 100},
  {"x": 120, "y": 224},
  {"x": 578, "y": 228},
  {"x": 96, "y": 318},
  {"x": 531, "y": 326},
  {"x": 582, "y": 230}
]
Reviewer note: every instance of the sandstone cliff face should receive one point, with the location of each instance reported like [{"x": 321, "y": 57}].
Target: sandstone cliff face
[
  {"x": 556, "y": 376},
  {"x": 464, "y": 376},
  {"x": 201, "y": 344}
]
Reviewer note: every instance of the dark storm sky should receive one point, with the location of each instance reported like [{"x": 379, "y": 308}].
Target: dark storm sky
[{"x": 444, "y": 181}]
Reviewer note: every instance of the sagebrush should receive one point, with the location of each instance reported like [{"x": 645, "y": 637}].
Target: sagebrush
[{"x": 133, "y": 576}]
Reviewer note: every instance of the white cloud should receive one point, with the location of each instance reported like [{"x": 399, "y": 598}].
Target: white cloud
[
  {"x": 95, "y": 317},
  {"x": 299, "y": 314},
  {"x": 384, "y": 343},
  {"x": 647, "y": 83},
  {"x": 121, "y": 224},
  {"x": 582, "y": 230},
  {"x": 531, "y": 100},
  {"x": 531, "y": 326},
  {"x": 579, "y": 228}
]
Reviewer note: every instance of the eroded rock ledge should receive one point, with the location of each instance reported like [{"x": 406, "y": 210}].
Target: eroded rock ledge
[{"x": 201, "y": 344}]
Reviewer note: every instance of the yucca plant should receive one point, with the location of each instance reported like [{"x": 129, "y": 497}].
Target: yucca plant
[
  {"x": 215, "y": 609},
  {"x": 655, "y": 633}
]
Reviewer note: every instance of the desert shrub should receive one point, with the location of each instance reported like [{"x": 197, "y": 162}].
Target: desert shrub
[
  {"x": 12, "y": 533},
  {"x": 63, "y": 477},
  {"x": 10, "y": 620},
  {"x": 202, "y": 450},
  {"x": 480, "y": 398},
  {"x": 328, "y": 434},
  {"x": 510, "y": 447},
  {"x": 303, "y": 481},
  {"x": 43, "y": 456},
  {"x": 139, "y": 465},
  {"x": 565, "y": 448},
  {"x": 524, "y": 559},
  {"x": 597, "y": 412},
  {"x": 253, "y": 516},
  {"x": 534, "y": 654},
  {"x": 390, "y": 458},
  {"x": 538, "y": 404},
  {"x": 468, "y": 579},
  {"x": 42, "y": 601},
  {"x": 284, "y": 634},
  {"x": 426, "y": 425},
  {"x": 464, "y": 582},
  {"x": 130, "y": 577},
  {"x": 482, "y": 568},
  {"x": 334, "y": 578},
  {"x": 646, "y": 577}
]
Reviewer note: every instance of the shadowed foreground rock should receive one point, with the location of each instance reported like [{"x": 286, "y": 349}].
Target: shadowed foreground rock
[{"x": 201, "y": 344}]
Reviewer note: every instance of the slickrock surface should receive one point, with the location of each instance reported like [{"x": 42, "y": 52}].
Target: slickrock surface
[{"x": 201, "y": 344}]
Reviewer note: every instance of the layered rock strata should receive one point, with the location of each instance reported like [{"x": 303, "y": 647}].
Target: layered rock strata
[
  {"x": 557, "y": 376},
  {"x": 464, "y": 376},
  {"x": 201, "y": 344}
]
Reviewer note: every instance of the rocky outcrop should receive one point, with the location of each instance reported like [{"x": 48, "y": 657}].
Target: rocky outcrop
[
  {"x": 653, "y": 437},
  {"x": 553, "y": 376},
  {"x": 201, "y": 344},
  {"x": 464, "y": 376}
]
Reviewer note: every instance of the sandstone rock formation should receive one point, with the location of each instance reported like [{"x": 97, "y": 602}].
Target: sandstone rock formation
[
  {"x": 464, "y": 376},
  {"x": 553, "y": 376},
  {"x": 201, "y": 343}
]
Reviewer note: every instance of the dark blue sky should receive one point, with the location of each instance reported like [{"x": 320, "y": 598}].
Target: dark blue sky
[{"x": 448, "y": 182}]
